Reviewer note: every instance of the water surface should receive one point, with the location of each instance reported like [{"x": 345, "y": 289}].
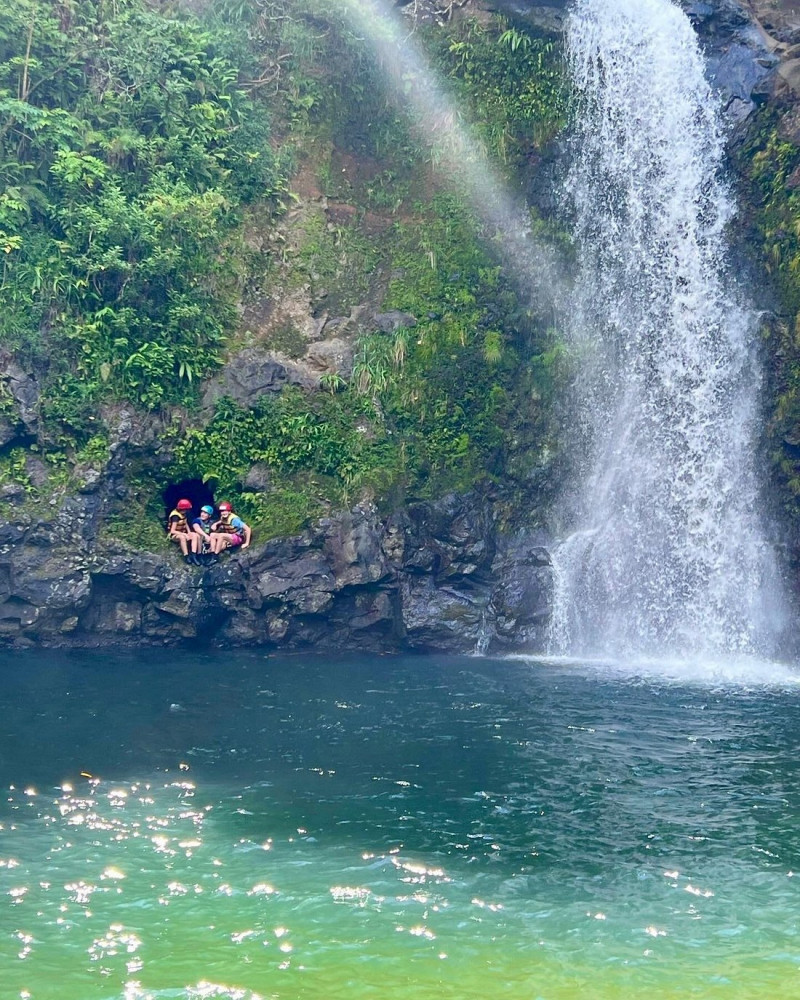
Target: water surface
[{"x": 421, "y": 828}]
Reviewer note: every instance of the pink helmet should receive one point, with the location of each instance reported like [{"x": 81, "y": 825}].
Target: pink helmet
[{"x": 184, "y": 505}]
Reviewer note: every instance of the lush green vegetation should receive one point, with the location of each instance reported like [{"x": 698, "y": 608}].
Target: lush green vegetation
[
  {"x": 771, "y": 167},
  {"x": 126, "y": 150},
  {"x": 512, "y": 82},
  {"x": 141, "y": 147},
  {"x": 428, "y": 408}
]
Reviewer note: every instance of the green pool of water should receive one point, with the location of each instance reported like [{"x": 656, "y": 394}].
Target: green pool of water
[{"x": 240, "y": 826}]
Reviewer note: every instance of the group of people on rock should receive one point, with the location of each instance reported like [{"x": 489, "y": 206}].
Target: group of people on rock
[{"x": 203, "y": 538}]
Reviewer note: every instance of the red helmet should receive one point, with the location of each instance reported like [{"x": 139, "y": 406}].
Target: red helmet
[
  {"x": 184, "y": 505},
  {"x": 225, "y": 506}
]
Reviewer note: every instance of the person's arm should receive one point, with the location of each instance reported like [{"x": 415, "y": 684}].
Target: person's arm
[
  {"x": 247, "y": 533},
  {"x": 173, "y": 521},
  {"x": 198, "y": 530}
]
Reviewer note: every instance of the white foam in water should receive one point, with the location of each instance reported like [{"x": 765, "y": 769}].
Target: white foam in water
[
  {"x": 665, "y": 551},
  {"x": 733, "y": 671}
]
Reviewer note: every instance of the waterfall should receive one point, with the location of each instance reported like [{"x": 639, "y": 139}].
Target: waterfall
[{"x": 667, "y": 552}]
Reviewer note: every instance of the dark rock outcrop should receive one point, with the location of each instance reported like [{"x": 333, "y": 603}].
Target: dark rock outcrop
[
  {"x": 740, "y": 57},
  {"x": 254, "y": 373},
  {"x": 544, "y": 15},
  {"x": 435, "y": 576},
  {"x": 19, "y": 395}
]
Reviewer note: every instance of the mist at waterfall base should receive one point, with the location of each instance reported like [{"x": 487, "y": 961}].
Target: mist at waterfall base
[
  {"x": 666, "y": 553},
  {"x": 410, "y": 829}
]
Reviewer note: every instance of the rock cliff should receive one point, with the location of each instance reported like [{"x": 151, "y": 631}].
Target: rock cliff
[
  {"x": 435, "y": 576},
  {"x": 438, "y": 575}
]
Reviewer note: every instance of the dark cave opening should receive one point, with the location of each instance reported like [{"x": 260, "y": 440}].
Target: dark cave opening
[{"x": 194, "y": 490}]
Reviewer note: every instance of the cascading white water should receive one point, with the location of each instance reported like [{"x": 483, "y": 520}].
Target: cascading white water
[{"x": 667, "y": 554}]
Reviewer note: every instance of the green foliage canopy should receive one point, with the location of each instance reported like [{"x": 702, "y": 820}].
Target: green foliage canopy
[
  {"x": 769, "y": 165},
  {"x": 126, "y": 148},
  {"x": 133, "y": 138}
]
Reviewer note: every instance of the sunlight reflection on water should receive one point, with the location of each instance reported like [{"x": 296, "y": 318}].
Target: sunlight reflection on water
[{"x": 463, "y": 827}]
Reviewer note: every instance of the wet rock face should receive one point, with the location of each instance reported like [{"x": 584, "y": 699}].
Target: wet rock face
[
  {"x": 19, "y": 400},
  {"x": 434, "y": 577},
  {"x": 545, "y": 15},
  {"x": 740, "y": 57},
  {"x": 781, "y": 18}
]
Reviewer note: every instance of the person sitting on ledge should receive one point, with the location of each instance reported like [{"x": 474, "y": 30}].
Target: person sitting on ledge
[
  {"x": 229, "y": 532},
  {"x": 179, "y": 531},
  {"x": 201, "y": 526}
]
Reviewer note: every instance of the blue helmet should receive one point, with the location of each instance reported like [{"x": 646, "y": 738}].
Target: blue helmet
[{"x": 206, "y": 509}]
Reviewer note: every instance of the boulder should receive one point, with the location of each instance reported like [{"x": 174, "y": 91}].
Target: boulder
[
  {"x": 452, "y": 537},
  {"x": 10, "y": 427},
  {"x": 789, "y": 73},
  {"x": 246, "y": 377},
  {"x": 442, "y": 618},
  {"x": 52, "y": 584},
  {"x": 328, "y": 357},
  {"x": 523, "y": 594},
  {"x": 738, "y": 71},
  {"x": 133, "y": 432},
  {"x": 23, "y": 388},
  {"x": 307, "y": 572},
  {"x": 258, "y": 479},
  {"x": 781, "y": 18},
  {"x": 36, "y": 470},
  {"x": 544, "y": 15},
  {"x": 391, "y": 322},
  {"x": 352, "y": 547},
  {"x": 254, "y": 373}
]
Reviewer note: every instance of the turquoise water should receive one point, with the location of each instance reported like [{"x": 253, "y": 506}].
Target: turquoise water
[{"x": 393, "y": 828}]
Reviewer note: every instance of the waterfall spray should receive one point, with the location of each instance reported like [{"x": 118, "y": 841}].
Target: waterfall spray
[{"x": 668, "y": 553}]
